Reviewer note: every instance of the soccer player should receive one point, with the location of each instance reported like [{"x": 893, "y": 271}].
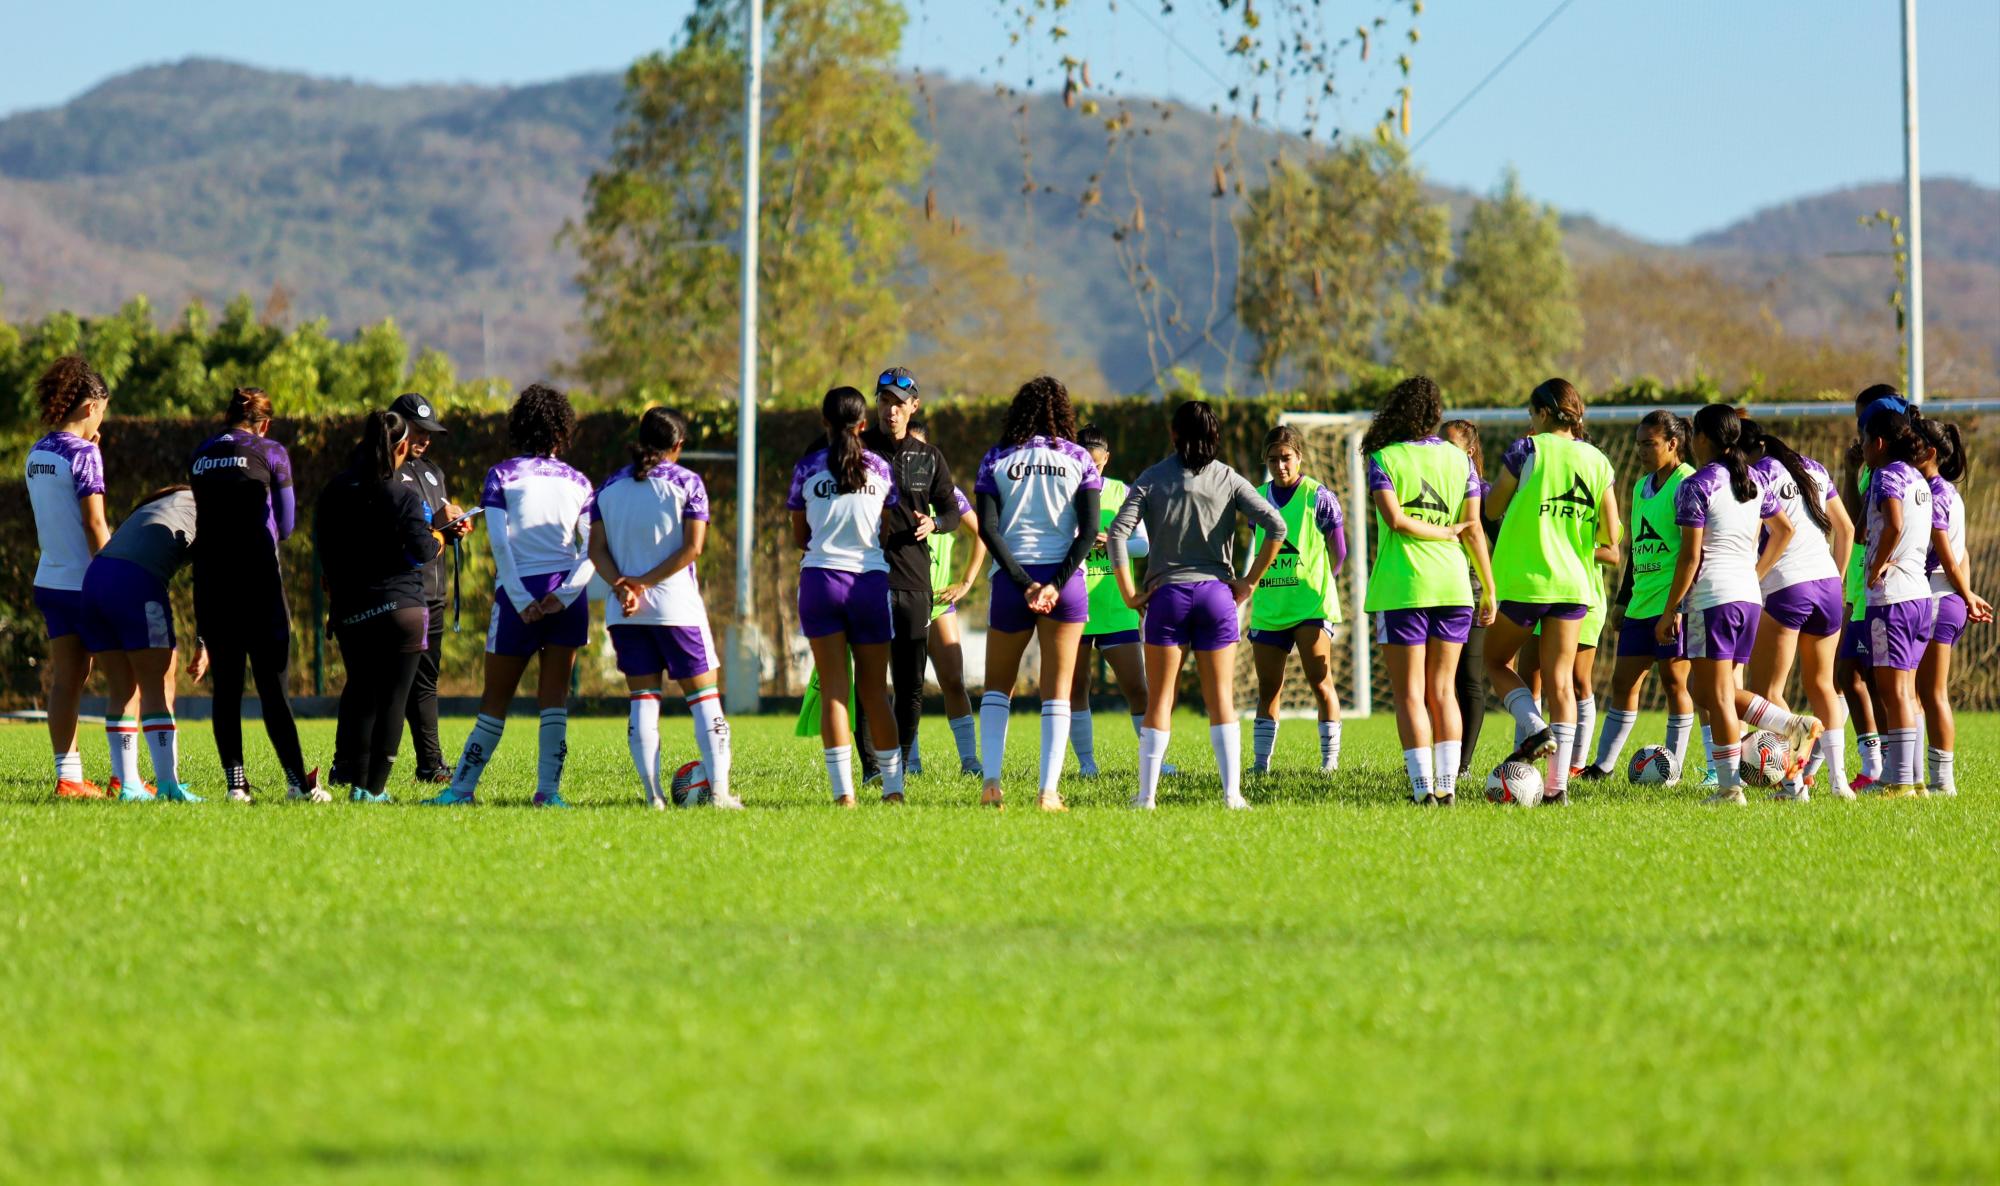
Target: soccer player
[
  {"x": 951, "y": 582},
  {"x": 649, "y": 522},
  {"x": 1902, "y": 517},
  {"x": 1803, "y": 615},
  {"x": 1037, "y": 496},
  {"x": 1556, "y": 507},
  {"x": 1190, "y": 503},
  {"x": 1950, "y": 570},
  {"x": 1113, "y": 628},
  {"x": 1663, "y": 440},
  {"x": 128, "y": 625},
  {"x": 374, "y": 538},
  {"x": 65, "y": 476},
  {"x": 245, "y": 508},
  {"x": 839, "y": 492},
  {"x": 1469, "y": 682},
  {"x": 1851, "y": 671},
  {"x": 537, "y": 523},
  {"x": 422, "y": 472},
  {"x": 1298, "y": 601},
  {"x": 1427, "y": 501}
]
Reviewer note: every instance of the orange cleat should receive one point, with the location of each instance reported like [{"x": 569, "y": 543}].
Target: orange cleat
[{"x": 74, "y": 788}]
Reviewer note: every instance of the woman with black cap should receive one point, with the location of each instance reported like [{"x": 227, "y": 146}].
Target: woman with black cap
[{"x": 423, "y": 475}]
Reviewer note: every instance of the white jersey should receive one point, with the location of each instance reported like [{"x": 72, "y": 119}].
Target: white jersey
[
  {"x": 1906, "y": 553},
  {"x": 846, "y": 529},
  {"x": 63, "y": 469},
  {"x": 1036, "y": 482},
  {"x": 644, "y": 519},
  {"x": 538, "y": 525},
  {"x": 1730, "y": 531},
  {"x": 1809, "y": 555},
  {"x": 1950, "y": 508}
]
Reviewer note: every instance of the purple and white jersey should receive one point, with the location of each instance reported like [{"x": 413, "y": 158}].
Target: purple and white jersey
[
  {"x": 1037, "y": 482},
  {"x": 1951, "y": 509},
  {"x": 644, "y": 521},
  {"x": 963, "y": 503},
  {"x": 1907, "y": 553},
  {"x": 846, "y": 529},
  {"x": 1809, "y": 556},
  {"x": 537, "y": 524},
  {"x": 63, "y": 469},
  {"x": 1730, "y": 530}
]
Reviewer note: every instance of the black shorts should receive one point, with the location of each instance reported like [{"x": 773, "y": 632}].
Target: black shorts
[{"x": 910, "y": 614}]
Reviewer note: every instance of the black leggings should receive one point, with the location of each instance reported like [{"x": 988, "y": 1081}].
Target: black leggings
[
  {"x": 423, "y": 707},
  {"x": 267, "y": 656},
  {"x": 381, "y": 655},
  {"x": 909, "y": 657},
  {"x": 1470, "y": 683}
]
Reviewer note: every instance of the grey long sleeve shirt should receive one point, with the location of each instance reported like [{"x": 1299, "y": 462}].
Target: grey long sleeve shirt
[{"x": 1190, "y": 520}]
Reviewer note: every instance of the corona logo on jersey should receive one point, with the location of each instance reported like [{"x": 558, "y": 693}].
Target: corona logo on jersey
[
  {"x": 1574, "y": 503},
  {"x": 1021, "y": 469},
  {"x": 41, "y": 469},
  {"x": 829, "y": 487},
  {"x": 206, "y": 464}
]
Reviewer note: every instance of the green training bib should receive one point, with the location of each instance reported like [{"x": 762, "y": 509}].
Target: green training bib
[
  {"x": 1857, "y": 557},
  {"x": 1409, "y": 573},
  {"x": 1546, "y": 541},
  {"x": 1108, "y": 612},
  {"x": 1656, "y": 543},
  {"x": 1299, "y": 586},
  {"x": 944, "y": 548}
]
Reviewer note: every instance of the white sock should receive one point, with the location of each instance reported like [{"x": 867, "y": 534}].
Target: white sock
[
  {"x": 711, "y": 737},
  {"x": 1417, "y": 765},
  {"x": 1611, "y": 741},
  {"x": 163, "y": 744},
  {"x": 1902, "y": 760},
  {"x": 994, "y": 708},
  {"x": 642, "y": 737},
  {"x": 1708, "y": 745},
  {"x": 1729, "y": 765},
  {"x": 551, "y": 751},
  {"x": 889, "y": 762},
  {"x": 965, "y": 734},
  {"x": 1152, "y": 752},
  {"x": 1227, "y": 742},
  {"x": 840, "y": 770},
  {"x": 1083, "y": 739},
  {"x": 1527, "y": 717},
  {"x": 1586, "y": 725},
  {"x": 1677, "y": 738},
  {"x": 480, "y": 745},
  {"x": 1765, "y": 715},
  {"x": 1444, "y": 766},
  {"x": 1869, "y": 745},
  {"x": 1833, "y": 751},
  {"x": 69, "y": 767},
  {"x": 1943, "y": 777},
  {"x": 1263, "y": 739},
  {"x": 1055, "y": 732},
  {"x": 913, "y": 759},
  {"x": 1558, "y": 777},
  {"x": 122, "y": 734},
  {"x": 1329, "y": 744}
]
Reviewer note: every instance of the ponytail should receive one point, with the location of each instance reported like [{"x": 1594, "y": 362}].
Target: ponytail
[
  {"x": 1897, "y": 432},
  {"x": 1197, "y": 435},
  {"x": 1673, "y": 426},
  {"x": 375, "y": 453},
  {"x": 843, "y": 409},
  {"x": 661, "y": 431},
  {"x": 1561, "y": 401},
  {"x": 67, "y": 384},
  {"x": 1755, "y": 437},
  {"x": 1720, "y": 426},
  {"x": 1943, "y": 440},
  {"x": 248, "y": 407}
]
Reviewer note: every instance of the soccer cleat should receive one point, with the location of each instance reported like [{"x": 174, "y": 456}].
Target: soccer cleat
[
  {"x": 727, "y": 802},
  {"x": 1576, "y": 771},
  {"x": 843, "y": 801},
  {"x": 78, "y": 788},
  {"x": 549, "y": 799},
  {"x": 1539, "y": 744},
  {"x": 1944, "y": 792},
  {"x": 438, "y": 777},
  {"x": 451, "y": 798},
  {"x": 1053, "y": 801},
  {"x": 1711, "y": 779},
  {"x": 1731, "y": 795},
  {"x": 1086, "y": 770},
  {"x": 991, "y": 797},
  {"x": 242, "y": 795},
  {"x": 973, "y": 768},
  {"x": 1903, "y": 790},
  {"x": 1448, "y": 799},
  {"x": 1591, "y": 773},
  {"x": 1865, "y": 784},
  {"x": 311, "y": 791},
  {"x": 1236, "y": 803},
  {"x": 364, "y": 795},
  {"x": 1792, "y": 795},
  {"x": 144, "y": 793},
  {"x": 656, "y": 802},
  {"x": 1801, "y": 738},
  {"x": 1555, "y": 799},
  {"x": 893, "y": 799},
  {"x": 1837, "y": 792},
  {"x": 1167, "y": 768},
  {"x": 1257, "y": 767},
  {"x": 1141, "y": 802},
  {"x": 178, "y": 792}
]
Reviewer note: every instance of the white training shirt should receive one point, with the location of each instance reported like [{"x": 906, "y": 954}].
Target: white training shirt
[
  {"x": 846, "y": 529},
  {"x": 1950, "y": 508},
  {"x": 1809, "y": 555},
  {"x": 537, "y": 523},
  {"x": 1036, "y": 482},
  {"x": 63, "y": 469},
  {"x": 1730, "y": 529},
  {"x": 1907, "y": 554},
  {"x": 644, "y": 520}
]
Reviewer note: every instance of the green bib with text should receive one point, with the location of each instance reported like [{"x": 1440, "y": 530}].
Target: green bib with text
[
  {"x": 943, "y": 548},
  {"x": 1412, "y": 573},
  {"x": 1299, "y": 586},
  {"x": 1550, "y": 532},
  {"x": 1857, "y": 557},
  {"x": 1108, "y": 612},
  {"x": 1656, "y": 543}
]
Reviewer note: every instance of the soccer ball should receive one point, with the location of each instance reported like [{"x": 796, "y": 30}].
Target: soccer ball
[
  {"x": 1514, "y": 782},
  {"x": 690, "y": 787},
  {"x": 1654, "y": 765},
  {"x": 1765, "y": 756}
]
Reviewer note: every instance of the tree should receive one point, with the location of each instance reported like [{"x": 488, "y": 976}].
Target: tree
[
  {"x": 1338, "y": 256},
  {"x": 662, "y": 222},
  {"x": 1508, "y": 314}
]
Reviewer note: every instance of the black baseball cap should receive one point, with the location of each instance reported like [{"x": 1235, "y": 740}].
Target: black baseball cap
[
  {"x": 418, "y": 411},
  {"x": 898, "y": 384}
]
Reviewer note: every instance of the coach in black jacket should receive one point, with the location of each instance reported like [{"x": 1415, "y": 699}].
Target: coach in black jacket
[
  {"x": 925, "y": 505},
  {"x": 423, "y": 473}
]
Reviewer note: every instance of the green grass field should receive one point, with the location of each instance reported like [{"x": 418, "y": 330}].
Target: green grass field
[{"x": 1336, "y": 987}]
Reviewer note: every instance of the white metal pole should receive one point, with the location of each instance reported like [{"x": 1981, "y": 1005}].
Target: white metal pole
[
  {"x": 746, "y": 664},
  {"x": 1913, "y": 185},
  {"x": 1363, "y": 703}
]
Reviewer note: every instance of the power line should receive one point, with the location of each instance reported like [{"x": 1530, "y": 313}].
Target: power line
[{"x": 1490, "y": 76}]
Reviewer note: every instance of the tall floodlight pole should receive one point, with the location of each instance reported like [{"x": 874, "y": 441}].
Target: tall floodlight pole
[
  {"x": 746, "y": 664},
  {"x": 1913, "y": 186}
]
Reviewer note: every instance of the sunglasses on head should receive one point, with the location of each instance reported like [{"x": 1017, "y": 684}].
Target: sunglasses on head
[{"x": 892, "y": 379}]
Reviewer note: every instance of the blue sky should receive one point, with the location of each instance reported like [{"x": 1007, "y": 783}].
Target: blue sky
[{"x": 1663, "y": 118}]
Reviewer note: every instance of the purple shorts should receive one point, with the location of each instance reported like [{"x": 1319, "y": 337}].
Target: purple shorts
[
  {"x": 507, "y": 634},
  {"x": 1899, "y": 633},
  {"x": 1415, "y": 627},
  {"x": 1809, "y": 607},
  {"x": 1854, "y": 641},
  {"x": 1199, "y": 615},
  {"x": 852, "y": 603},
  {"x": 1949, "y": 620},
  {"x": 62, "y": 610},
  {"x": 683, "y": 652},
  {"x": 1010, "y": 614},
  {"x": 1287, "y": 638},
  {"x": 1527, "y": 613},
  {"x": 1115, "y": 638},
  {"x": 125, "y": 608},
  {"x": 1724, "y": 633},
  {"x": 1636, "y": 637}
]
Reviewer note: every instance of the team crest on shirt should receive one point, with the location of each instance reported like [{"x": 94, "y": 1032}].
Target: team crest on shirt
[
  {"x": 1575, "y": 503},
  {"x": 430, "y": 477}
]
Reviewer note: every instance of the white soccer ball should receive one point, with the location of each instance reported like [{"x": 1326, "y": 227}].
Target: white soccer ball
[
  {"x": 1514, "y": 782},
  {"x": 1653, "y": 766},
  {"x": 1765, "y": 756},
  {"x": 690, "y": 786}
]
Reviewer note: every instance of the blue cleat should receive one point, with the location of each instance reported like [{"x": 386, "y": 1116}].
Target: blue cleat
[
  {"x": 362, "y": 795},
  {"x": 450, "y": 798},
  {"x": 1711, "y": 779},
  {"x": 138, "y": 794},
  {"x": 549, "y": 799},
  {"x": 177, "y": 792}
]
